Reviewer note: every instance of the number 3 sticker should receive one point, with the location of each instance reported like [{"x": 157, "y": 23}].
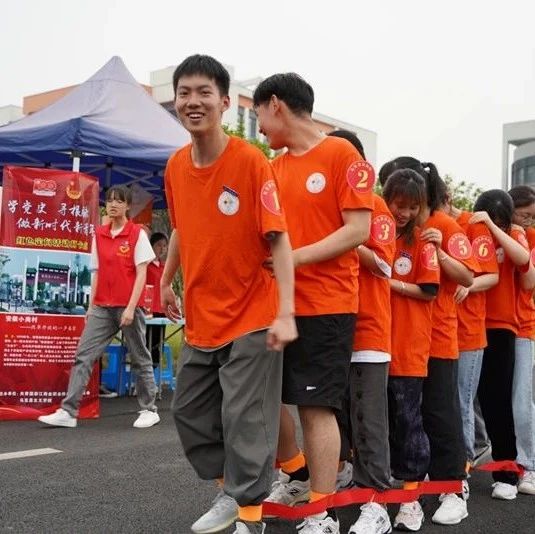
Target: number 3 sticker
[
  {"x": 459, "y": 246},
  {"x": 361, "y": 176},
  {"x": 383, "y": 229}
]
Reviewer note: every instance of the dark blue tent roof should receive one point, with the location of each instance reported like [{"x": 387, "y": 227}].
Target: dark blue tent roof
[{"x": 124, "y": 136}]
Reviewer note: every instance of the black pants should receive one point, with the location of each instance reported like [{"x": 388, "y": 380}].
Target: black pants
[
  {"x": 495, "y": 398},
  {"x": 443, "y": 425},
  {"x": 409, "y": 445},
  {"x": 158, "y": 334}
]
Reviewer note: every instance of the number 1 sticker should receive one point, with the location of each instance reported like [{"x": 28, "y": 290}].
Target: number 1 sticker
[{"x": 361, "y": 176}]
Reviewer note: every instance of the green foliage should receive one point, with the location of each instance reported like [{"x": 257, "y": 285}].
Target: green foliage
[
  {"x": 239, "y": 131},
  {"x": 463, "y": 194}
]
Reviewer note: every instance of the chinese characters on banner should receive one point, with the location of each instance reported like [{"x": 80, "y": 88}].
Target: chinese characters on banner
[{"x": 47, "y": 223}]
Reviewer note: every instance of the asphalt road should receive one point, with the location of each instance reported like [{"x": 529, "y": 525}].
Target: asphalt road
[{"x": 112, "y": 478}]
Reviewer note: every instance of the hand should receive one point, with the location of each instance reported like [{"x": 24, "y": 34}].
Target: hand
[
  {"x": 296, "y": 255},
  {"x": 170, "y": 303},
  {"x": 481, "y": 217},
  {"x": 518, "y": 228},
  {"x": 460, "y": 294},
  {"x": 432, "y": 235},
  {"x": 127, "y": 317},
  {"x": 281, "y": 332}
]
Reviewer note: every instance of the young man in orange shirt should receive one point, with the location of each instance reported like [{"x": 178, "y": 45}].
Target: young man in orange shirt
[
  {"x": 227, "y": 221},
  {"x": 326, "y": 189}
]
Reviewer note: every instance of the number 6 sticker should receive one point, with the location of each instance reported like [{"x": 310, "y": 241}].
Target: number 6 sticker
[
  {"x": 483, "y": 248},
  {"x": 361, "y": 176}
]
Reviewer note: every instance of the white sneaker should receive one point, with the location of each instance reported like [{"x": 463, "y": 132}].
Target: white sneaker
[
  {"x": 527, "y": 483},
  {"x": 451, "y": 511},
  {"x": 60, "y": 417},
  {"x": 373, "y": 520},
  {"x": 506, "y": 492},
  {"x": 222, "y": 514},
  {"x": 289, "y": 492},
  {"x": 242, "y": 528},
  {"x": 319, "y": 524},
  {"x": 410, "y": 517},
  {"x": 146, "y": 419},
  {"x": 344, "y": 478}
]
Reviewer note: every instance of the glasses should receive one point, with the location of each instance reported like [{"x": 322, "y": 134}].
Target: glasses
[{"x": 524, "y": 216}]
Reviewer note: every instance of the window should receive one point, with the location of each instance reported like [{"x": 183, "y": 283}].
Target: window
[{"x": 252, "y": 124}]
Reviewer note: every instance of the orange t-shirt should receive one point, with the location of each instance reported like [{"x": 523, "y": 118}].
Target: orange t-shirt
[
  {"x": 416, "y": 263},
  {"x": 315, "y": 189},
  {"x": 373, "y": 327},
  {"x": 471, "y": 331},
  {"x": 525, "y": 305},
  {"x": 222, "y": 215},
  {"x": 444, "y": 342},
  {"x": 501, "y": 299}
]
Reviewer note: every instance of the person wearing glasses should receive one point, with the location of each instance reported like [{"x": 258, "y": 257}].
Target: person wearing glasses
[{"x": 120, "y": 254}]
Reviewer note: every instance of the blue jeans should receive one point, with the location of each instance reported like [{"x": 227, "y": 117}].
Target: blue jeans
[
  {"x": 469, "y": 371},
  {"x": 523, "y": 405}
]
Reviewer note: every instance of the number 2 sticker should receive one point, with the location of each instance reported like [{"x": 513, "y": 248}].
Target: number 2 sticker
[{"x": 361, "y": 176}]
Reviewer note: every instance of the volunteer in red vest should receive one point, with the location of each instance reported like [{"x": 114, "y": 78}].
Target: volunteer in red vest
[
  {"x": 156, "y": 332},
  {"x": 119, "y": 259}
]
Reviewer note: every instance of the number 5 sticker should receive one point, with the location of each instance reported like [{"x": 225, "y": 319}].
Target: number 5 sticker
[
  {"x": 361, "y": 176},
  {"x": 459, "y": 246}
]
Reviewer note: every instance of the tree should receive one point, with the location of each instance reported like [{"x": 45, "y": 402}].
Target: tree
[
  {"x": 463, "y": 194},
  {"x": 239, "y": 131}
]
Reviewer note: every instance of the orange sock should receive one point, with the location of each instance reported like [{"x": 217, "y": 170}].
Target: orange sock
[
  {"x": 410, "y": 485},
  {"x": 250, "y": 513},
  {"x": 315, "y": 496},
  {"x": 293, "y": 464}
]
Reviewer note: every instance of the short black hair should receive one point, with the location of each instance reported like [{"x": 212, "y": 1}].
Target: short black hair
[
  {"x": 499, "y": 205},
  {"x": 351, "y": 137},
  {"x": 158, "y": 236},
  {"x": 289, "y": 87},
  {"x": 119, "y": 192},
  {"x": 522, "y": 195},
  {"x": 204, "y": 66}
]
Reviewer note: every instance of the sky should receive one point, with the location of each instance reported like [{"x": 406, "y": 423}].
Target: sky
[{"x": 435, "y": 80}]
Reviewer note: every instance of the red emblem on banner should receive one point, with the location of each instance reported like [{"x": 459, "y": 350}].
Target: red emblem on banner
[
  {"x": 270, "y": 198},
  {"x": 429, "y": 257},
  {"x": 361, "y": 176},
  {"x": 459, "y": 246},
  {"x": 383, "y": 229},
  {"x": 483, "y": 248}
]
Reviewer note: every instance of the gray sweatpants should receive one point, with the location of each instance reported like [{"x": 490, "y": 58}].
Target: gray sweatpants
[
  {"x": 102, "y": 324},
  {"x": 227, "y": 408}
]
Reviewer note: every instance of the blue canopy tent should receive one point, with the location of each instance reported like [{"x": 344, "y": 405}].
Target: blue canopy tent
[{"x": 118, "y": 132}]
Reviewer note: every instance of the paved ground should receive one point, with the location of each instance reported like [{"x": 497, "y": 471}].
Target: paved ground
[{"x": 112, "y": 478}]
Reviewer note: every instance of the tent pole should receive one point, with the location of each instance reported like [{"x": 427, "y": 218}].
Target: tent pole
[{"x": 76, "y": 155}]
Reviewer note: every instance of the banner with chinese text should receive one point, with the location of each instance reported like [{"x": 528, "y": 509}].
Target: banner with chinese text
[{"x": 47, "y": 225}]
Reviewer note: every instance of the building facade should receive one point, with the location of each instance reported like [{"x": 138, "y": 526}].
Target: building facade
[{"x": 518, "y": 154}]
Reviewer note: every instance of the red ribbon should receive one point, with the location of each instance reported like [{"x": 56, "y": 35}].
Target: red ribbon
[{"x": 393, "y": 496}]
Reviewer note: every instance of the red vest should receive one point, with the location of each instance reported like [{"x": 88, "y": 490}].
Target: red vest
[
  {"x": 116, "y": 268},
  {"x": 154, "y": 275}
]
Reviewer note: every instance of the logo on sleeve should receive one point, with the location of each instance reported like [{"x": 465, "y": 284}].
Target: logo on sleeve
[
  {"x": 429, "y": 257},
  {"x": 403, "y": 264},
  {"x": 228, "y": 202},
  {"x": 483, "y": 248},
  {"x": 360, "y": 176},
  {"x": 459, "y": 247},
  {"x": 270, "y": 198},
  {"x": 383, "y": 229},
  {"x": 316, "y": 183}
]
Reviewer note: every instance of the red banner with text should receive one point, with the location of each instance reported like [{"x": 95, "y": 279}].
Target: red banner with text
[{"x": 47, "y": 224}]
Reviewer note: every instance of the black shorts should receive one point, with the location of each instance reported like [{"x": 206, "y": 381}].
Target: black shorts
[{"x": 316, "y": 364}]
